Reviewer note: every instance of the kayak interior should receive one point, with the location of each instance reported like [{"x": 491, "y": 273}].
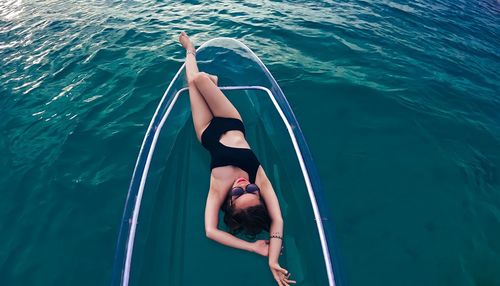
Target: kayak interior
[{"x": 170, "y": 237}]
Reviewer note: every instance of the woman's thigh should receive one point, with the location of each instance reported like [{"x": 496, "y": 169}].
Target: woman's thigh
[
  {"x": 216, "y": 100},
  {"x": 200, "y": 111}
]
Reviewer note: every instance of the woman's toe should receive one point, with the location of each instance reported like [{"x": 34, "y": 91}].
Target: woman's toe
[{"x": 182, "y": 38}]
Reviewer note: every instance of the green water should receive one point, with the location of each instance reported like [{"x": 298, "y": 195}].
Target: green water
[{"x": 398, "y": 102}]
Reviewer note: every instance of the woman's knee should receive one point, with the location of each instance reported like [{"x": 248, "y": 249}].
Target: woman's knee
[{"x": 200, "y": 77}]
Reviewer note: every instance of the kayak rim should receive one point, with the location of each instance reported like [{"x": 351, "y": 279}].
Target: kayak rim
[{"x": 126, "y": 236}]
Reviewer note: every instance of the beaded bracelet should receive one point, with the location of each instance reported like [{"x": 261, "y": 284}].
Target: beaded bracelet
[{"x": 276, "y": 236}]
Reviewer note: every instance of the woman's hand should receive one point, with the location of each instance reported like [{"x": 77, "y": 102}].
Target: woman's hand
[
  {"x": 261, "y": 247},
  {"x": 281, "y": 275}
]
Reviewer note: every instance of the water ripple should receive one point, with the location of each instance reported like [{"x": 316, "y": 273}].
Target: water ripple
[{"x": 79, "y": 82}]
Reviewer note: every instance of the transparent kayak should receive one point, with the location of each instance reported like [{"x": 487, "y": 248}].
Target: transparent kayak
[{"x": 162, "y": 239}]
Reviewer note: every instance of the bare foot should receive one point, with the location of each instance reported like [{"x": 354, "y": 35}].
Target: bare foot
[{"x": 186, "y": 42}]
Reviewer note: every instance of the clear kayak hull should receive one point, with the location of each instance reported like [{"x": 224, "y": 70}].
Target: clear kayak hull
[{"x": 162, "y": 239}]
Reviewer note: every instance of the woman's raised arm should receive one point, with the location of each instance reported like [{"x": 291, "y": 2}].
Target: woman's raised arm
[{"x": 280, "y": 274}]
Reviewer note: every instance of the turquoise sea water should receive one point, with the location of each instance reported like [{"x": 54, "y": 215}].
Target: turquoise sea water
[{"x": 398, "y": 101}]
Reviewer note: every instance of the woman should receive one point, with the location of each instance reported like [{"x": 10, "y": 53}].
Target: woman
[{"x": 238, "y": 184}]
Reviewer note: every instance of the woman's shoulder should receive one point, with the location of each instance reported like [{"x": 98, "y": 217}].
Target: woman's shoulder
[
  {"x": 261, "y": 178},
  {"x": 219, "y": 185}
]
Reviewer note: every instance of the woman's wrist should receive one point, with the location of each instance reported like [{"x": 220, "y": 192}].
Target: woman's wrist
[
  {"x": 252, "y": 247},
  {"x": 273, "y": 263},
  {"x": 276, "y": 234}
]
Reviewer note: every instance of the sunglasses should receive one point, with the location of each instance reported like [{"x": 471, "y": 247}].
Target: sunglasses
[{"x": 237, "y": 192}]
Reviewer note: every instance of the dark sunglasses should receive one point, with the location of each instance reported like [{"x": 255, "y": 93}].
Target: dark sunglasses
[{"x": 237, "y": 192}]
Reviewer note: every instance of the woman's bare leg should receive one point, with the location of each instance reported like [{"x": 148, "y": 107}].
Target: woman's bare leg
[
  {"x": 199, "y": 109},
  {"x": 207, "y": 100},
  {"x": 218, "y": 103}
]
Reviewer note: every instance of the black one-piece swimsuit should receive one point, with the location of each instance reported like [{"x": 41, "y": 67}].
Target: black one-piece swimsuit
[{"x": 223, "y": 155}]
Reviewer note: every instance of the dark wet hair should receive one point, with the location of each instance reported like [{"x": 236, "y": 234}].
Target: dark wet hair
[{"x": 250, "y": 221}]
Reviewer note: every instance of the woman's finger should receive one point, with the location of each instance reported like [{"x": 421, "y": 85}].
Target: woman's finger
[
  {"x": 284, "y": 271},
  {"x": 282, "y": 280},
  {"x": 277, "y": 278},
  {"x": 290, "y": 281}
]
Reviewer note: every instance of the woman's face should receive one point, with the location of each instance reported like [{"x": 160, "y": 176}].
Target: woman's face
[{"x": 247, "y": 199}]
